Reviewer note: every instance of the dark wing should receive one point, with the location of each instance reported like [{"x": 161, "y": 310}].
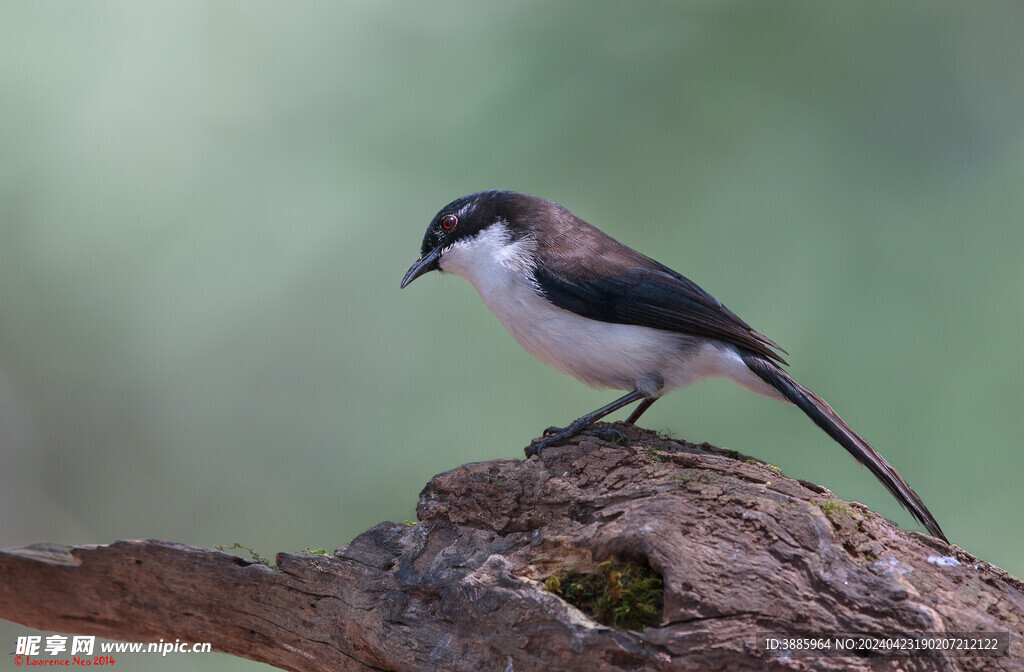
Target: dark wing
[
  {"x": 654, "y": 297},
  {"x": 591, "y": 274}
]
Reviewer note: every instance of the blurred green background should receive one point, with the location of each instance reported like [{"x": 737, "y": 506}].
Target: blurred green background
[{"x": 206, "y": 208}]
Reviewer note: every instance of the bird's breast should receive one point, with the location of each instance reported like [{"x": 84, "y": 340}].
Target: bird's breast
[{"x": 600, "y": 354}]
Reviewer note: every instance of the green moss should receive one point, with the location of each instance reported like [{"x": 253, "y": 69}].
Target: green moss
[
  {"x": 254, "y": 556},
  {"x": 696, "y": 476},
  {"x": 751, "y": 461},
  {"x": 410, "y": 522},
  {"x": 652, "y": 454},
  {"x": 835, "y": 509},
  {"x": 313, "y": 551},
  {"x": 772, "y": 468},
  {"x": 624, "y": 595}
]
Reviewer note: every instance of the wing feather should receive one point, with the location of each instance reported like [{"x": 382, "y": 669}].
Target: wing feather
[{"x": 654, "y": 297}]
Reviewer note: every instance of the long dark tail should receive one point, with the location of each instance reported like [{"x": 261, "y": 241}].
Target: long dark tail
[{"x": 823, "y": 416}]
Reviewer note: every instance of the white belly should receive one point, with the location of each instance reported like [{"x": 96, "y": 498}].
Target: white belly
[{"x": 601, "y": 354}]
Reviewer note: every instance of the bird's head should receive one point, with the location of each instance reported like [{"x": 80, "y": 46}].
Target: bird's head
[{"x": 457, "y": 225}]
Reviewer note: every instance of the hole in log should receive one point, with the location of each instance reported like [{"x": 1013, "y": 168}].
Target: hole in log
[{"x": 625, "y": 595}]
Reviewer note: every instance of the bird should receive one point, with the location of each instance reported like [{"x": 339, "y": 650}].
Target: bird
[{"x": 591, "y": 307}]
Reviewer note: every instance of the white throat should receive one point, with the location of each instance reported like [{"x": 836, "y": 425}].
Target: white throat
[{"x": 492, "y": 261}]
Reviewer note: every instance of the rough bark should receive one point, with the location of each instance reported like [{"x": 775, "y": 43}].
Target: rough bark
[{"x": 741, "y": 550}]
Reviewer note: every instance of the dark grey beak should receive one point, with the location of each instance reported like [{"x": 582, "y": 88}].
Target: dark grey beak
[{"x": 424, "y": 264}]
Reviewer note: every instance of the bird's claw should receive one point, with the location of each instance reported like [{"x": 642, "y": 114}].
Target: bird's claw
[
  {"x": 554, "y": 435},
  {"x": 549, "y": 440}
]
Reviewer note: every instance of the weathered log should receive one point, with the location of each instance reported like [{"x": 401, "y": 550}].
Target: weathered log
[{"x": 741, "y": 551}]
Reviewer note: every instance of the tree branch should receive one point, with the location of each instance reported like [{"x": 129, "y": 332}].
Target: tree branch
[{"x": 741, "y": 550}]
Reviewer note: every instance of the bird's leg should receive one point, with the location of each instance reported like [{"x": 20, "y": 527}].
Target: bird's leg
[
  {"x": 579, "y": 425},
  {"x": 631, "y": 420},
  {"x": 640, "y": 409}
]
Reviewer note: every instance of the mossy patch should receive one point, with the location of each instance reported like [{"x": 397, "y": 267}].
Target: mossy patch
[
  {"x": 696, "y": 476},
  {"x": 313, "y": 551},
  {"x": 834, "y": 509},
  {"x": 255, "y": 557},
  {"x": 652, "y": 454},
  {"x": 624, "y": 595}
]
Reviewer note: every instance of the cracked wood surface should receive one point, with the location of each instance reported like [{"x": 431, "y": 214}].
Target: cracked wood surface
[{"x": 741, "y": 549}]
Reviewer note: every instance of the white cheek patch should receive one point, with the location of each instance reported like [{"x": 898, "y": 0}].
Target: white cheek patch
[{"x": 490, "y": 257}]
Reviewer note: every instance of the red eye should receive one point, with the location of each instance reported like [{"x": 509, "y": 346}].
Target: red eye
[{"x": 449, "y": 222}]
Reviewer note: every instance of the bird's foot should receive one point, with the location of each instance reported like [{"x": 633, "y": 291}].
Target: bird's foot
[
  {"x": 556, "y": 435},
  {"x": 536, "y": 446}
]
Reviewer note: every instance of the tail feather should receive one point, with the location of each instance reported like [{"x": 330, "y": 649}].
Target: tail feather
[{"x": 823, "y": 416}]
